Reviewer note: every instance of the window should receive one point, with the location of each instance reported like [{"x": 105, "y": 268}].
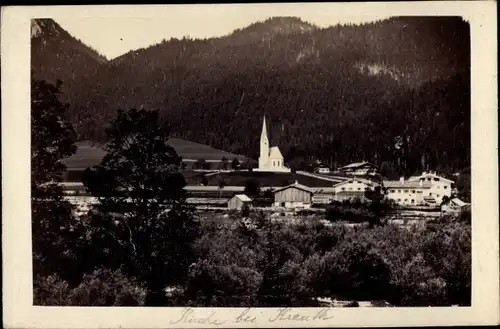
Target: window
[
  {"x": 274, "y": 164},
  {"x": 413, "y": 191},
  {"x": 437, "y": 195},
  {"x": 359, "y": 188},
  {"x": 406, "y": 191},
  {"x": 393, "y": 191},
  {"x": 399, "y": 191},
  {"x": 350, "y": 188},
  {"x": 429, "y": 179},
  {"x": 430, "y": 193},
  {"x": 399, "y": 200},
  {"x": 420, "y": 192},
  {"x": 343, "y": 189},
  {"x": 412, "y": 200},
  {"x": 406, "y": 200},
  {"x": 445, "y": 187},
  {"x": 436, "y": 179}
]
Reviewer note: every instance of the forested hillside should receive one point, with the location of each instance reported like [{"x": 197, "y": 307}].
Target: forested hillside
[{"x": 393, "y": 91}]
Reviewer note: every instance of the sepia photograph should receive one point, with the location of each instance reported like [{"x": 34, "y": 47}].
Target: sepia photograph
[{"x": 252, "y": 159}]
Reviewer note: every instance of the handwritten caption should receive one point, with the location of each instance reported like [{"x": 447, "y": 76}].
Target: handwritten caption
[{"x": 249, "y": 316}]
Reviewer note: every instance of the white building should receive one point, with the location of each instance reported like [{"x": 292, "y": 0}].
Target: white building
[
  {"x": 406, "y": 193},
  {"x": 322, "y": 169},
  {"x": 353, "y": 188},
  {"x": 440, "y": 186},
  {"x": 427, "y": 189},
  {"x": 270, "y": 159}
]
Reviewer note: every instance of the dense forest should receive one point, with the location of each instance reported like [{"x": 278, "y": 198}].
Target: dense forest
[{"x": 395, "y": 92}]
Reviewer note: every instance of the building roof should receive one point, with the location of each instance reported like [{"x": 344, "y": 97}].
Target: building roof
[
  {"x": 458, "y": 202},
  {"x": 356, "y": 165},
  {"x": 361, "y": 180},
  {"x": 295, "y": 185},
  {"x": 264, "y": 128},
  {"x": 406, "y": 184},
  {"x": 275, "y": 152},
  {"x": 433, "y": 175},
  {"x": 242, "y": 197}
]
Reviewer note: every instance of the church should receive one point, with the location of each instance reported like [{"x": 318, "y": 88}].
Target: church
[{"x": 270, "y": 159}]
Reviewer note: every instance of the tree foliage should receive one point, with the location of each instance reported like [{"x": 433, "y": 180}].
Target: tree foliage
[
  {"x": 142, "y": 203},
  {"x": 52, "y": 139}
]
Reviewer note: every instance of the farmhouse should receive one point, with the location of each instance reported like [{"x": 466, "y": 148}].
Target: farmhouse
[
  {"x": 439, "y": 186},
  {"x": 238, "y": 201},
  {"x": 454, "y": 206},
  {"x": 409, "y": 193},
  {"x": 293, "y": 196},
  {"x": 359, "y": 169},
  {"x": 353, "y": 189}
]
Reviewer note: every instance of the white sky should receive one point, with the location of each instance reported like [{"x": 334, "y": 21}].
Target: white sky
[{"x": 114, "y": 36}]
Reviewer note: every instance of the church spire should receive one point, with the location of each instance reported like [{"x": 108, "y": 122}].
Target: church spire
[{"x": 264, "y": 128}]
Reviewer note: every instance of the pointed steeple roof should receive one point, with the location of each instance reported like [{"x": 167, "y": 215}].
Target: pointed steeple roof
[{"x": 264, "y": 128}]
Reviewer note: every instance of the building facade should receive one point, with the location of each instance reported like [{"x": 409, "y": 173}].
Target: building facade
[
  {"x": 238, "y": 201},
  {"x": 439, "y": 186},
  {"x": 406, "y": 193},
  {"x": 353, "y": 189},
  {"x": 359, "y": 169},
  {"x": 293, "y": 196}
]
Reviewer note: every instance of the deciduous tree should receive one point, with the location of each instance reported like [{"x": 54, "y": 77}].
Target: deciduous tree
[{"x": 141, "y": 194}]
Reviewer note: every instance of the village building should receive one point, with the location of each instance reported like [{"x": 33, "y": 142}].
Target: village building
[
  {"x": 440, "y": 186},
  {"x": 353, "y": 189},
  {"x": 322, "y": 169},
  {"x": 238, "y": 202},
  {"x": 409, "y": 193},
  {"x": 454, "y": 206},
  {"x": 270, "y": 158},
  {"x": 359, "y": 169},
  {"x": 293, "y": 196}
]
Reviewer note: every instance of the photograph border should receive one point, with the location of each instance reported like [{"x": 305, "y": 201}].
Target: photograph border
[{"x": 18, "y": 308}]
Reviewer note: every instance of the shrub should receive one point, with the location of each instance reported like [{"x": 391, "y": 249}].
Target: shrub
[
  {"x": 107, "y": 288},
  {"x": 50, "y": 291}
]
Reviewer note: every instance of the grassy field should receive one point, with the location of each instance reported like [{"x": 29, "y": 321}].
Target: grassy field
[{"x": 89, "y": 154}]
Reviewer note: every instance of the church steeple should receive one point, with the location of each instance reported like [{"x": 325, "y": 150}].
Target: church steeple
[
  {"x": 264, "y": 146},
  {"x": 264, "y": 129}
]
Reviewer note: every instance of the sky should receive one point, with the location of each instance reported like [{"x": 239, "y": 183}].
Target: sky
[{"x": 114, "y": 36}]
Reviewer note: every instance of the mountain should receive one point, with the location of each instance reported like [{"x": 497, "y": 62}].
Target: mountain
[
  {"x": 321, "y": 88},
  {"x": 57, "y": 55}
]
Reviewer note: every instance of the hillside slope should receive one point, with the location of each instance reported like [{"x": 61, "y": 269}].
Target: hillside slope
[{"x": 321, "y": 89}]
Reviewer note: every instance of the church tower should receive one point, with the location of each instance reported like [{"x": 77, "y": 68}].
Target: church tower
[{"x": 264, "y": 147}]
